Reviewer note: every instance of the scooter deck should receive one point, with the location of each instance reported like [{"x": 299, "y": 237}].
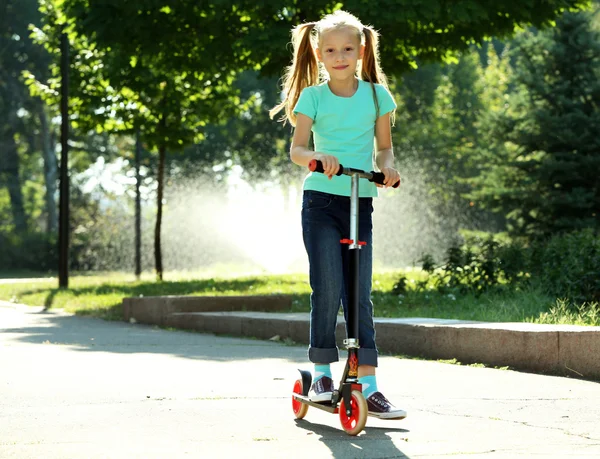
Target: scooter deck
[{"x": 327, "y": 406}]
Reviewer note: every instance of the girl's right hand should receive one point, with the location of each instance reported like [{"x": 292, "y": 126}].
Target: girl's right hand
[{"x": 331, "y": 165}]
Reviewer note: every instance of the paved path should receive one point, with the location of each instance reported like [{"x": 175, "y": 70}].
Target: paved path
[{"x": 73, "y": 387}]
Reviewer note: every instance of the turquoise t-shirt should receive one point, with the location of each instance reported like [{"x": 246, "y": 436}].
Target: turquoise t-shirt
[{"x": 344, "y": 127}]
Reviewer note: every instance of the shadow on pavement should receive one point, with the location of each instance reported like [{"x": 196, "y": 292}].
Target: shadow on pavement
[
  {"x": 95, "y": 335},
  {"x": 372, "y": 442}
]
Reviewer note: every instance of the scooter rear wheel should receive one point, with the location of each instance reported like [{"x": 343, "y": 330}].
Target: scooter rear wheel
[
  {"x": 299, "y": 408},
  {"x": 354, "y": 424}
]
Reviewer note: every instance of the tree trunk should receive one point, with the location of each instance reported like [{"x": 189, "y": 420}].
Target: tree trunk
[
  {"x": 157, "y": 240},
  {"x": 9, "y": 165},
  {"x": 50, "y": 170},
  {"x": 138, "y": 207},
  {"x": 64, "y": 233}
]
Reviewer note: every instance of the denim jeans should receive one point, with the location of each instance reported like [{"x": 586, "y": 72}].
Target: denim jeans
[{"x": 325, "y": 221}]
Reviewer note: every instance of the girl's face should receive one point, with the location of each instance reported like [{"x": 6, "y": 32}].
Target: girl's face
[{"x": 340, "y": 50}]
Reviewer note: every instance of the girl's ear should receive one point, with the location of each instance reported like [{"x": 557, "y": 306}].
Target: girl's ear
[
  {"x": 318, "y": 53},
  {"x": 361, "y": 51}
]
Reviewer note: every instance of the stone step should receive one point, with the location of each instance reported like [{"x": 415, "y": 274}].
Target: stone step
[
  {"x": 154, "y": 309},
  {"x": 548, "y": 349},
  {"x": 566, "y": 350}
]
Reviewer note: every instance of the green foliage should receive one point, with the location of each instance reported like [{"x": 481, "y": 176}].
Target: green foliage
[
  {"x": 542, "y": 167},
  {"x": 17, "y": 133},
  {"x": 94, "y": 232},
  {"x": 565, "y": 266},
  {"x": 414, "y": 32},
  {"x": 246, "y": 34},
  {"x": 568, "y": 266},
  {"x": 473, "y": 267},
  {"x": 29, "y": 251},
  {"x": 250, "y": 139},
  {"x": 401, "y": 285},
  {"x": 438, "y": 130},
  {"x": 123, "y": 78}
]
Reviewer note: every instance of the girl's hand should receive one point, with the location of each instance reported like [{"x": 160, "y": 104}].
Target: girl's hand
[
  {"x": 331, "y": 165},
  {"x": 391, "y": 176}
]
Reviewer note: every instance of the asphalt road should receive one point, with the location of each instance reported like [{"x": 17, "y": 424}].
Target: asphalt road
[{"x": 73, "y": 387}]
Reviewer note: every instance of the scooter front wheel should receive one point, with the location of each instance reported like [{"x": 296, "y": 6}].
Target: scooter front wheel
[
  {"x": 355, "y": 423},
  {"x": 299, "y": 408}
]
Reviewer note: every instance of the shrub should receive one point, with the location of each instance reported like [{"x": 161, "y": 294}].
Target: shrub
[
  {"x": 564, "y": 266},
  {"x": 568, "y": 265},
  {"x": 29, "y": 251}
]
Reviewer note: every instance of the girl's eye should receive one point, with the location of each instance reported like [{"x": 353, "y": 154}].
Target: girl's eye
[
  {"x": 329, "y": 50},
  {"x": 349, "y": 49}
]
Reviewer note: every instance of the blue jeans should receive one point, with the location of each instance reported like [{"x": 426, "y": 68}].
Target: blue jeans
[{"x": 325, "y": 221}]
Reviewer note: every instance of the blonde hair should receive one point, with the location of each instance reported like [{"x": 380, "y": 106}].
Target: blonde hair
[{"x": 305, "y": 69}]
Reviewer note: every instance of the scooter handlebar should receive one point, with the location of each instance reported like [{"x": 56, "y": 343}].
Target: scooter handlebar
[
  {"x": 317, "y": 166},
  {"x": 377, "y": 177}
]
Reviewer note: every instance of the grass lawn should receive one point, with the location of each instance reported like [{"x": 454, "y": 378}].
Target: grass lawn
[{"x": 101, "y": 295}]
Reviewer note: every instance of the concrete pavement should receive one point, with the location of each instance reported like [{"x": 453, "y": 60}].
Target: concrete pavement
[{"x": 73, "y": 387}]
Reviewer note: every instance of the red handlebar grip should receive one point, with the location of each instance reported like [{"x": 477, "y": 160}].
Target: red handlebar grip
[{"x": 317, "y": 166}]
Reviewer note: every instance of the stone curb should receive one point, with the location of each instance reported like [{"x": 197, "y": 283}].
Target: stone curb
[
  {"x": 155, "y": 309},
  {"x": 566, "y": 350}
]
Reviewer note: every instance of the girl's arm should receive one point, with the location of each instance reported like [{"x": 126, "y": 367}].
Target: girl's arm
[
  {"x": 300, "y": 153},
  {"x": 384, "y": 158}
]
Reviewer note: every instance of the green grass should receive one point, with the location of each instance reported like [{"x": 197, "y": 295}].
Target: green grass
[{"x": 101, "y": 295}]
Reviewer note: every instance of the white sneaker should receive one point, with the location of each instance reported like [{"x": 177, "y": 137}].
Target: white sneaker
[
  {"x": 381, "y": 408},
  {"x": 322, "y": 390}
]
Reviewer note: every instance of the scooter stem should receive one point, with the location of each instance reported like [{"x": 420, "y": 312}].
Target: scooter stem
[
  {"x": 354, "y": 251},
  {"x": 354, "y": 212}
]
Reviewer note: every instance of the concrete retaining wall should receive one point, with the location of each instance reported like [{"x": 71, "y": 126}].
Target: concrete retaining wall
[
  {"x": 156, "y": 309},
  {"x": 554, "y": 349}
]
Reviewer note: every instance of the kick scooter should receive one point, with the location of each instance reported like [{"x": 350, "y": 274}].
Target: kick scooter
[{"x": 348, "y": 401}]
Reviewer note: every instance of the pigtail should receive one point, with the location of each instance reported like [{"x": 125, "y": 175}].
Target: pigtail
[
  {"x": 370, "y": 68},
  {"x": 303, "y": 72}
]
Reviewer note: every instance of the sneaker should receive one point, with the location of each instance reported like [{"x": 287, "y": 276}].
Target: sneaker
[
  {"x": 322, "y": 390},
  {"x": 381, "y": 408}
]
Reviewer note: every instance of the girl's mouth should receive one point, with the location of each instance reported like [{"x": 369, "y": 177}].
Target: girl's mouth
[{"x": 341, "y": 67}]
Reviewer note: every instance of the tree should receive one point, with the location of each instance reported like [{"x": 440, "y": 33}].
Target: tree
[
  {"x": 178, "y": 83},
  {"x": 546, "y": 175},
  {"x": 118, "y": 88},
  {"x": 248, "y": 33},
  {"x": 14, "y": 59},
  {"x": 438, "y": 110}
]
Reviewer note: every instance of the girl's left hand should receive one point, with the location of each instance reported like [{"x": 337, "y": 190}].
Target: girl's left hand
[{"x": 391, "y": 177}]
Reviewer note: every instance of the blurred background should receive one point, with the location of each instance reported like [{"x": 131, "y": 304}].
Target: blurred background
[{"x": 497, "y": 131}]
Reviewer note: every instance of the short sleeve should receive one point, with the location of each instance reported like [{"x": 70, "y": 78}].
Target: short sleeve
[
  {"x": 306, "y": 103},
  {"x": 386, "y": 101}
]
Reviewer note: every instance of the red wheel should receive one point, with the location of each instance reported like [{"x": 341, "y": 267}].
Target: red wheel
[
  {"x": 354, "y": 424},
  {"x": 299, "y": 408}
]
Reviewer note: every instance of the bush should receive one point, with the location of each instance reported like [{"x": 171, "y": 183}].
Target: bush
[
  {"x": 568, "y": 265},
  {"x": 564, "y": 266},
  {"x": 29, "y": 251},
  {"x": 472, "y": 267}
]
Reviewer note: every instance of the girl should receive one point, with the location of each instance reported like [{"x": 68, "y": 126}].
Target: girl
[{"x": 336, "y": 89}]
